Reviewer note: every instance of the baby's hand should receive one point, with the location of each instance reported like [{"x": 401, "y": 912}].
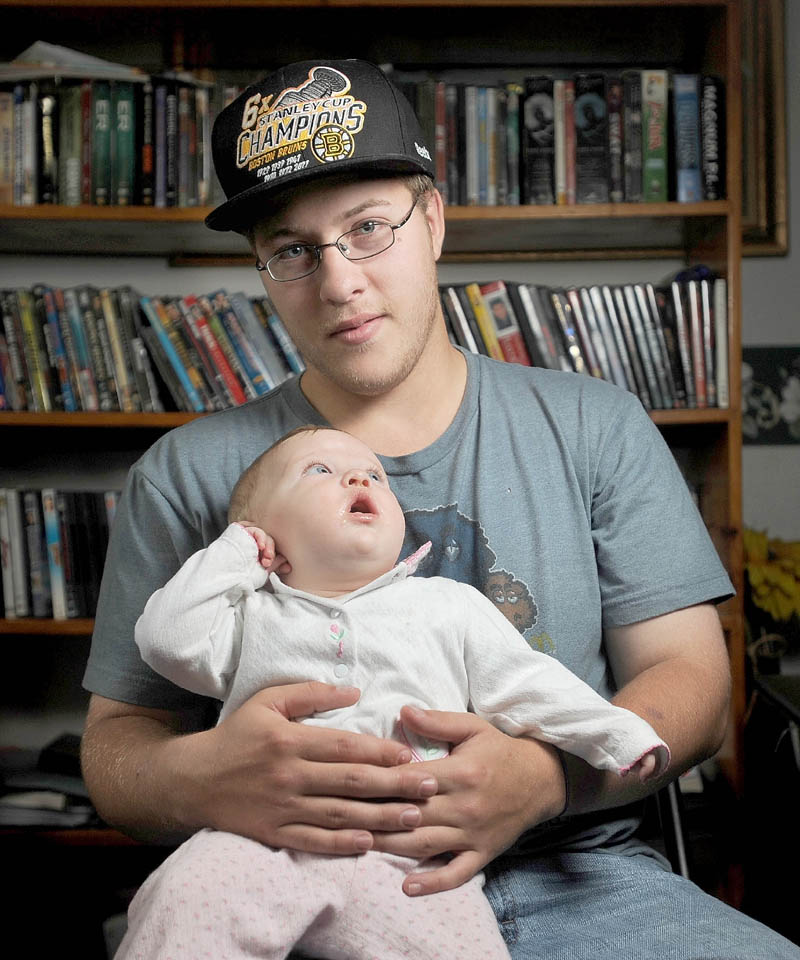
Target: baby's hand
[
  {"x": 268, "y": 557},
  {"x": 645, "y": 767}
]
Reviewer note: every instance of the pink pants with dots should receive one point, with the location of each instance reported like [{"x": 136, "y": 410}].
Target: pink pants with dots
[{"x": 224, "y": 897}]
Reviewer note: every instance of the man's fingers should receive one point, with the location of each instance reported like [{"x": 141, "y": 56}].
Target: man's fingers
[
  {"x": 443, "y": 725},
  {"x": 304, "y": 699},
  {"x": 422, "y": 843},
  {"x": 461, "y": 868},
  {"x": 336, "y": 814},
  {"x": 299, "y": 836},
  {"x": 373, "y": 779}
]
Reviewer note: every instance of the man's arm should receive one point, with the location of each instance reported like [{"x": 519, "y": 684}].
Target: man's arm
[
  {"x": 672, "y": 670},
  {"x": 257, "y": 773}
]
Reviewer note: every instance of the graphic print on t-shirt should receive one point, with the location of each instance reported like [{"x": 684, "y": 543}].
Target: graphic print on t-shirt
[{"x": 460, "y": 550}]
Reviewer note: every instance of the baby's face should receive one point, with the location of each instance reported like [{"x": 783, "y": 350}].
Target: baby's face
[{"x": 327, "y": 504}]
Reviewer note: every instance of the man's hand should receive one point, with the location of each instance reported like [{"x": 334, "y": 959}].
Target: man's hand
[
  {"x": 257, "y": 774},
  {"x": 492, "y": 788}
]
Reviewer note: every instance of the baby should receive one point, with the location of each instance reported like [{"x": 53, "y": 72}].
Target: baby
[{"x": 304, "y": 584}]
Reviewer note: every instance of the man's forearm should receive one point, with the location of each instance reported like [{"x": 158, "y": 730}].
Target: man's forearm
[
  {"x": 687, "y": 706},
  {"x": 131, "y": 765}
]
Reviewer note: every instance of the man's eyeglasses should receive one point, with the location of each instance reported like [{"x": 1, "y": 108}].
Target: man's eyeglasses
[{"x": 298, "y": 260}]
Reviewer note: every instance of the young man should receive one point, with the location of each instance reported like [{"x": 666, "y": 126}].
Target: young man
[{"x": 551, "y": 493}]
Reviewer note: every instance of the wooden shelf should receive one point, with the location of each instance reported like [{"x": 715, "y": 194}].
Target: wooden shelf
[
  {"x": 576, "y": 231},
  {"x": 41, "y": 626},
  {"x": 145, "y": 421}
]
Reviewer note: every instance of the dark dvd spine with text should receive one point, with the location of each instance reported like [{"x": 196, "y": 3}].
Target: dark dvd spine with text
[{"x": 591, "y": 138}]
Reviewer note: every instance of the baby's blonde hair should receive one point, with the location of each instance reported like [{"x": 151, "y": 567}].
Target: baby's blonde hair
[{"x": 247, "y": 484}]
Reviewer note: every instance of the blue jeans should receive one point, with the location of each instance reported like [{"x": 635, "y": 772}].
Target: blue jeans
[{"x": 599, "y": 905}]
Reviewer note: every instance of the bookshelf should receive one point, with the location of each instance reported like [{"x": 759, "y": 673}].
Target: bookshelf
[{"x": 690, "y": 35}]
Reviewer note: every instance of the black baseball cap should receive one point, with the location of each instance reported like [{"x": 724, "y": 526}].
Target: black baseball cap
[{"x": 307, "y": 120}]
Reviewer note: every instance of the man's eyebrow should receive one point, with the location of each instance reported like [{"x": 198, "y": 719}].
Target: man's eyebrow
[{"x": 288, "y": 230}]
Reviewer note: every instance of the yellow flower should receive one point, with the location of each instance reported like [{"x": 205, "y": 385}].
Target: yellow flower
[{"x": 773, "y": 574}]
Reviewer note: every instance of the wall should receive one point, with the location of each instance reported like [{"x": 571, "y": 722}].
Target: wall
[{"x": 770, "y": 317}]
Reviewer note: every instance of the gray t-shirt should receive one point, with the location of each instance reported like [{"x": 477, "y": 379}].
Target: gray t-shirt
[{"x": 552, "y": 493}]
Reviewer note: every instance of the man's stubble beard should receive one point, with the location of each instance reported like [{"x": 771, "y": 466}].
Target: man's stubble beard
[{"x": 351, "y": 379}]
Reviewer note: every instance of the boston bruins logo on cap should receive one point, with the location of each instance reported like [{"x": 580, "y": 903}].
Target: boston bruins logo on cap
[{"x": 332, "y": 143}]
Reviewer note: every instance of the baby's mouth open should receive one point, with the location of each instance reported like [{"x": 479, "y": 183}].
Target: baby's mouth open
[{"x": 362, "y": 505}]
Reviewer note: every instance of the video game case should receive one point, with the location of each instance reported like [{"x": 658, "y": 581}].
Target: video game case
[
  {"x": 129, "y": 323},
  {"x": 35, "y": 349},
  {"x": 712, "y": 137},
  {"x": 123, "y": 144},
  {"x": 18, "y": 550},
  {"x": 453, "y": 141},
  {"x": 482, "y": 317},
  {"x": 720, "y": 300},
  {"x": 696, "y": 339},
  {"x": 273, "y": 324},
  {"x": 675, "y": 397},
  {"x": 564, "y": 111},
  {"x": 670, "y": 333},
  {"x": 471, "y": 146},
  {"x": 655, "y": 170},
  {"x": 616, "y": 175},
  {"x": 686, "y": 137},
  {"x": 165, "y": 370},
  {"x": 591, "y": 138},
  {"x": 99, "y": 346},
  {"x": 505, "y": 322},
  {"x": 87, "y": 387},
  {"x": 459, "y": 324},
  {"x": 459, "y": 292},
  {"x": 656, "y": 345},
  {"x": 625, "y": 299},
  {"x": 101, "y": 142},
  {"x": 6, "y": 565},
  {"x": 55, "y": 554},
  {"x": 153, "y": 310},
  {"x": 588, "y": 337},
  {"x": 271, "y": 364},
  {"x": 621, "y": 322},
  {"x": 127, "y": 396},
  {"x": 514, "y": 94},
  {"x": 47, "y": 106},
  {"x": 538, "y": 341},
  {"x": 38, "y": 567},
  {"x": 632, "y": 134},
  {"x": 681, "y": 320},
  {"x": 12, "y": 328},
  {"x": 537, "y": 134},
  {"x": 709, "y": 346},
  {"x": 562, "y": 311},
  {"x": 145, "y": 143},
  {"x": 6, "y": 147},
  {"x": 223, "y": 380},
  {"x": 607, "y": 317},
  {"x": 58, "y": 337}
]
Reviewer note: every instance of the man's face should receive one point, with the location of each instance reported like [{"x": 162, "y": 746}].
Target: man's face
[
  {"x": 327, "y": 503},
  {"x": 360, "y": 325}
]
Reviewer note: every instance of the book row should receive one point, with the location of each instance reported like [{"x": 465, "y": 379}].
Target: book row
[
  {"x": 103, "y": 349},
  {"x": 593, "y": 137},
  {"x": 646, "y": 135},
  {"x": 52, "y": 547},
  {"x": 107, "y": 143},
  {"x": 666, "y": 343}
]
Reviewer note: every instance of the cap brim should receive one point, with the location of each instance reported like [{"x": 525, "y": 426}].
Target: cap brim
[{"x": 247, "y": 208}]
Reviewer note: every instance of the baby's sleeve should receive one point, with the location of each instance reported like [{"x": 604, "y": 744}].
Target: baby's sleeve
[{"x": 191, "y": 628}]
